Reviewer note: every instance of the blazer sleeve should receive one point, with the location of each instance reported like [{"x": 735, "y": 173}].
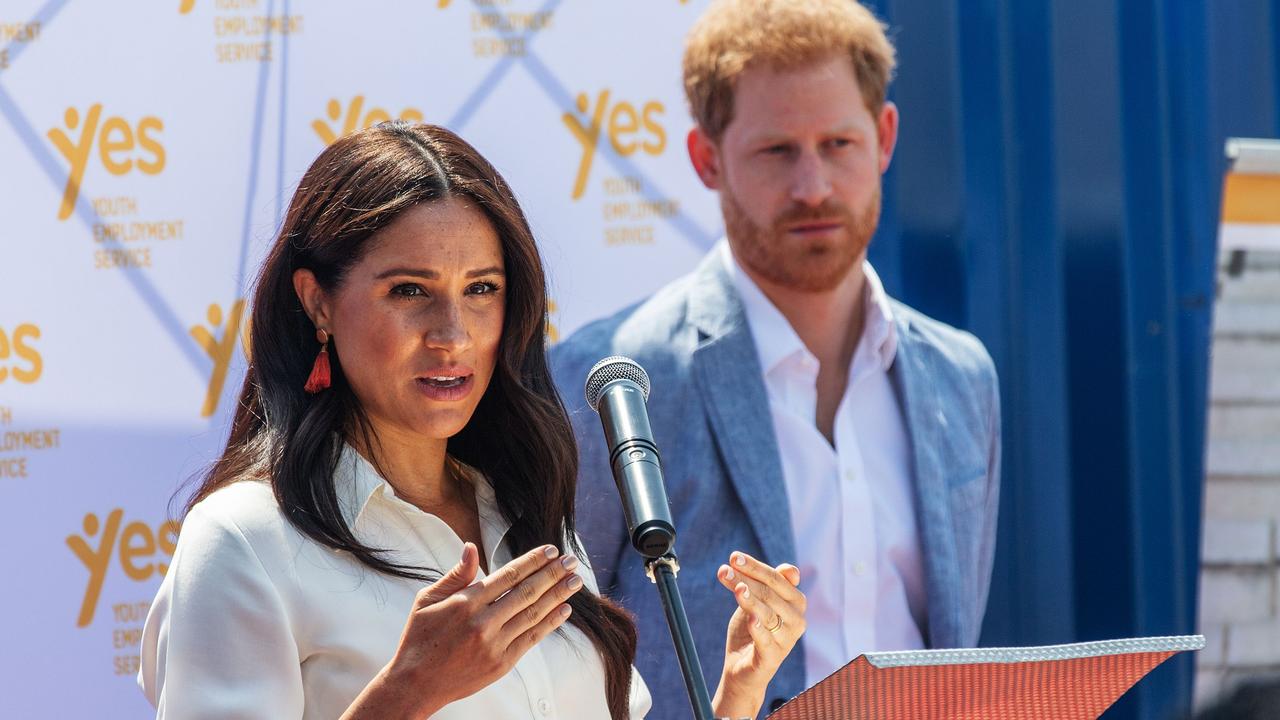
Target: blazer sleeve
[
  {"x": 991, "y": 505},
  {"x": 218, "y": 641}
]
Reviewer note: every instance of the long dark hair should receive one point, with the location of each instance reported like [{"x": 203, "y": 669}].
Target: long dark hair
[{"x": 519, "y": 437}]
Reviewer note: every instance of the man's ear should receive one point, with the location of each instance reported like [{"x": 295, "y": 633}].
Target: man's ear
[
  {"x": 314, "y": 300},
  {"x": 705, "y": 156},
  {"x": 887, "y": 133}
]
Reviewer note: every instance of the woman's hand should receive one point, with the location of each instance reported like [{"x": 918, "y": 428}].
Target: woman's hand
[
  {"x": 461, "y": 637},
  {"x": 767, "y": 624}
]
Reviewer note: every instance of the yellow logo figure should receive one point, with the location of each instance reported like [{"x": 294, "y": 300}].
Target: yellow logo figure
[
  {"x": 624, "y": 123},
  {"x": 219, "y": 350},
  {"x": 116, "y": 139},
  {"x": 553, "y": 332},
  {"x": 185, "y": 6},
  {"x": 19, "y": 343},
  {"x": 136, "y": 543},
  {"x": 442, "y": 4},
  {"x": 353, "y": 122}
]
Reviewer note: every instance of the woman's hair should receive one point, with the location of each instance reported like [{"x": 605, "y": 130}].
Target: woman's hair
[
  {"x": 519, "y": 438},
  {"x": 733, "y": 35}
]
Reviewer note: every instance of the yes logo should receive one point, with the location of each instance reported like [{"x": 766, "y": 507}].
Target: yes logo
[
  {"x": 19, "y": 343},
  {"x": 138, "y": 547},
  {"x": 353, "y": 121},
  {"x": 220, "y": 349},
  {"x": 623, "y": 125},
  {"x": 185, "y": 6},
  {"x": 117, "y": 140}
]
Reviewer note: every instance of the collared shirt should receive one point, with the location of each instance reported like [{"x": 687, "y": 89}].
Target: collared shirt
[
  {"x": 255, "y": 620},
  {"x": 852, "y": 504}
]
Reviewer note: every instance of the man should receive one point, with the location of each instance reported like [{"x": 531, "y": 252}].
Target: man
[{"x": 802, "y": 415}]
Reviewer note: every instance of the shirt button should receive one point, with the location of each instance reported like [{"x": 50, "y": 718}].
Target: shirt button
[
  {"x": 859, "y": 568},
  {"x": 850, "y": 475},
  {"x": 544, "y": 706}
]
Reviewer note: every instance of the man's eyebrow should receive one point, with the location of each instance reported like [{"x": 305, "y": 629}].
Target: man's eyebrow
[{"x": 771, "y": 136}]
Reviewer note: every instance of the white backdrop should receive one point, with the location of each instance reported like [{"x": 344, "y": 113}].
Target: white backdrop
[{"x": 147, "y": 151}]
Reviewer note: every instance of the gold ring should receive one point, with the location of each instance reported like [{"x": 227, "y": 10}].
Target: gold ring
[{"x": 775, "y": 626}]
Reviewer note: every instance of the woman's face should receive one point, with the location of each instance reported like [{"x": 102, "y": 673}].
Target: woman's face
[{"x": 418, "y": 320}]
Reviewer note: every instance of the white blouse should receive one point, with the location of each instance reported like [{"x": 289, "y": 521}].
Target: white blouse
[{"x": 256, "y": 620}]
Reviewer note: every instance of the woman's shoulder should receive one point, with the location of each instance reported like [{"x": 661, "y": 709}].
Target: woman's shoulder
[{"x": 244, "y": 510}]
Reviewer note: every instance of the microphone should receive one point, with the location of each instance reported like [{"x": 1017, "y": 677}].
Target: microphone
[{"x": 617, "y": 389}]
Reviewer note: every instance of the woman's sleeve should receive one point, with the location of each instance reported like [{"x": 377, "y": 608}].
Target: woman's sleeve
[
  {"x": 218, "y": 641},
  {"x": 640, "y": 701}
]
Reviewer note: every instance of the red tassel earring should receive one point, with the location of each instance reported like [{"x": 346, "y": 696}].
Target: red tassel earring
[{"x": 319, "y": 378}]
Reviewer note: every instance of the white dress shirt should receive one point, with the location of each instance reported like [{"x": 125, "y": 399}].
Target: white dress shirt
[
  {"x": 255, "y": 620},
  {"x": 852, "y": 505}
]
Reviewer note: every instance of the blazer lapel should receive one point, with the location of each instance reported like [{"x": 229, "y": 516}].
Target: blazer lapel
[
  {"x": 730, "y": 381},
  {"x": 919, "y": 401}
]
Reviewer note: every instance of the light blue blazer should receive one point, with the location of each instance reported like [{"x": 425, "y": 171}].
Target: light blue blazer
[{"x": 711, "y": 420}]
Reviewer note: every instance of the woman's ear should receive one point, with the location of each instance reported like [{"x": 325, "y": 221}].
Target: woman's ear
[{"x": 314, "y": 300}]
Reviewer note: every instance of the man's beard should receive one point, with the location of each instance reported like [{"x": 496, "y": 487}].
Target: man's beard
[{"x": 807, "y": 265}]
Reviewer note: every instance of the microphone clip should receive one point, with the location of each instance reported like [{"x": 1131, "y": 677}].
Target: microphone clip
[{"x": 669, "y": 560}]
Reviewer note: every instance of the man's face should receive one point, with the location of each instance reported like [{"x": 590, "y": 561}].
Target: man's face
[{"x": 798, "y": 171}]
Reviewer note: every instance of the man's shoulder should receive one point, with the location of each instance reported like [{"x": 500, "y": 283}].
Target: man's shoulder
[
  {"x": 948, "y": 346},
  {"x": 654, "y": 332}
]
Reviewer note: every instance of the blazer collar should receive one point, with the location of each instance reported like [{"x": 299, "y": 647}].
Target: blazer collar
[
  {"x": 727, "y": 373},
  {"x": 912, "y": 374}
]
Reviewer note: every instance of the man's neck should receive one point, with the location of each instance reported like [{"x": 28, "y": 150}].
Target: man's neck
[{"x": 830, "y": 322}]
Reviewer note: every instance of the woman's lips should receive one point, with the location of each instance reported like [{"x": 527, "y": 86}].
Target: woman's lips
[{"x": 446, "y": 386}]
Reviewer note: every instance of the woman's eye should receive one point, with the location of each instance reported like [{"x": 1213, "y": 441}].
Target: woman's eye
[
  {"x": 408, "y": 290},
  {"x": 482, "y": 288}
]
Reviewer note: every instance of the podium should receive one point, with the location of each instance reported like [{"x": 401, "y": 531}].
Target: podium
[{"x": 1055, "y": 682}]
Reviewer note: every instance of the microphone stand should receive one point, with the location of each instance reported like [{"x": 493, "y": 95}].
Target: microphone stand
[
  {"x": 617, "y": 388},
  {"x": 662, "y": 572}
]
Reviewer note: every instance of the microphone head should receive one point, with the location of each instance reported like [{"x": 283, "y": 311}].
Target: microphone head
[{"x": 614, "y": 367}]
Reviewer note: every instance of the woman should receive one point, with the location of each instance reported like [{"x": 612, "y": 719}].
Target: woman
[{"x": 398, "y": 419}]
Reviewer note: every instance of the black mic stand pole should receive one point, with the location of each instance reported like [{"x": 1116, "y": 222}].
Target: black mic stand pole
[{"x": 662, "y": 571}]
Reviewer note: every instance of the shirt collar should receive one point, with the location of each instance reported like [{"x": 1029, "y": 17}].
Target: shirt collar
[
  {"x": 776, "y": 340},
  {"x": 879, "y": 332},
  {"x": 358, "y": 483}
]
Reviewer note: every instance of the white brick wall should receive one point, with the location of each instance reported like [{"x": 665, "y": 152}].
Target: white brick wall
[{"x": 1240, "y": 574}]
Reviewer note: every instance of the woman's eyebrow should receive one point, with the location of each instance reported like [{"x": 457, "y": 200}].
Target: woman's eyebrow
[
  {"x": 413, "y": 272},
  {"x": 428, "y": 274}
]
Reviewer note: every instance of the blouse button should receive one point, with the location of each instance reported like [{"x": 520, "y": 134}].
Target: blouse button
[{"x": 544, "y": 707}]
